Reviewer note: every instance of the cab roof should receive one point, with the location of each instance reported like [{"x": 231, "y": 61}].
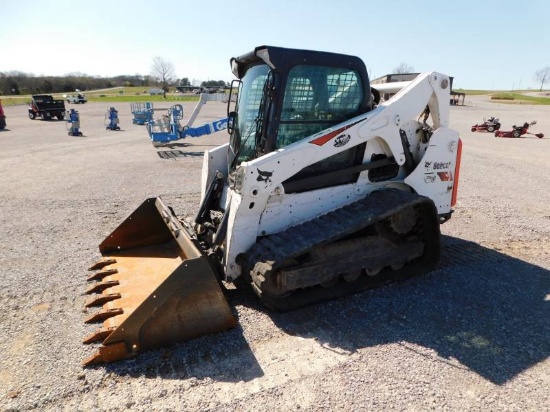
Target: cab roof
[{"x": 282, "y": 59}]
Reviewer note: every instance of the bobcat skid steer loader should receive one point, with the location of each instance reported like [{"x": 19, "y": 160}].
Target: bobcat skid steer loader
[{"x": 323, "y": 190}]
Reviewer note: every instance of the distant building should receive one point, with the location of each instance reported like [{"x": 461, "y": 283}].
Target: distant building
[
  {"x": 392, "y": 78},
  {"x": 395, "y": 77},
  {"x": 186, "y": 89},
  {"x": 404, "y": 77}
]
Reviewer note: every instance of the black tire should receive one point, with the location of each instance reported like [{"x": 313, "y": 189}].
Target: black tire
[
  {"x": 516, "y": 134},
  {"x": 32, "y": 116},
  {"x": 490, "y": 129}
]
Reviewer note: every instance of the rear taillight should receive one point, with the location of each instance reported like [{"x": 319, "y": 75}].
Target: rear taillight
[{"x": 457, "y": 171}]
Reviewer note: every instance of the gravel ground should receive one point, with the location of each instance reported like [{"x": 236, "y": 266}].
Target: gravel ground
[{"x": 472, "y": 335}]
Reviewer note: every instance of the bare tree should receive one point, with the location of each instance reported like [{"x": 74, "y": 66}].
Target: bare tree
[
  {"x": 403, "y": 68},
  {"x": 542, "y": 75},
  {"x": 164, "y": 71}
]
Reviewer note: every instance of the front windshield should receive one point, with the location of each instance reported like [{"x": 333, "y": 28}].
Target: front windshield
[{"x": 243, "y": 139}]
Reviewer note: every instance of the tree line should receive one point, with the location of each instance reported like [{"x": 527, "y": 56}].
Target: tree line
[
  {"x": 19, "y": 83},
  {"x": 162, "y": 75}
]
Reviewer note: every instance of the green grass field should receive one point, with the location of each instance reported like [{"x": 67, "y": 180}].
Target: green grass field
[
  {"x": 117, "y": 94},
  {"x": 140, "y": 94},
  {"x": 514, "y": 97}
]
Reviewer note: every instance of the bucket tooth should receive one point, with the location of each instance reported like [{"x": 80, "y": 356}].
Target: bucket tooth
[
  {"x": 98, "y": 335},
  {"x": 102, "y": 274},
  {"x": 102, "y": 263},
  {"x": 101, "y": 299},
  {"x": 103, "y": 314},
  {"x": 109, "y": 353},
  {"x": 101, "y": 286}
]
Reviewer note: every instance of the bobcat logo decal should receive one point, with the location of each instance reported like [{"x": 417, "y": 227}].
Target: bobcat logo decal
[
  {"x": 264, "y": 176},
  {"x": 341, "y": 140}
]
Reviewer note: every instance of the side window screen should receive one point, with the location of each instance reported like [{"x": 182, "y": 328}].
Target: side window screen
[
  {"x": 244, "y": 137},
  {"x": 346, "y": 94},
  {"x": 316, "y": 98}
]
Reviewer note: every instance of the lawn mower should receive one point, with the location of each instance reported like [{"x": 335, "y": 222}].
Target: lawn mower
[
  {"x": 518, "y": 131},
  {"x": 489, "y": 125}
]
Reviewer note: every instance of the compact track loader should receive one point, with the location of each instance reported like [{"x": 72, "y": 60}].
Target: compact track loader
[{"x": 323, "y": 190}]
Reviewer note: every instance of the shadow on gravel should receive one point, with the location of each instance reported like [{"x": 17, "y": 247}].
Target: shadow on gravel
[
  {"x": 178, "y": 154},
  {"x": 174, "y": 154},
  {"x": 170, "y": 145},
  {"x": 487, "y": 310},
  {"x": 224, "y": 357},
  {"x": 175, "y": 145}
]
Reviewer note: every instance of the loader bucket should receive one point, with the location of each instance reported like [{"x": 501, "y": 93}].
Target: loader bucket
[{"x": 154, "y": 287}]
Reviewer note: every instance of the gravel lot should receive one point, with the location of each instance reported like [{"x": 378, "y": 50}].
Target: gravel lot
[{"x": 472, "y": 335}]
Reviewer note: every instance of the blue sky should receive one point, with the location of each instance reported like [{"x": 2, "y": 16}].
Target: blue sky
[{"x": 484, "y": 44}]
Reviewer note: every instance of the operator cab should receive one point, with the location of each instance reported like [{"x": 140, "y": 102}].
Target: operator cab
[{"x": 320, "y": 90}]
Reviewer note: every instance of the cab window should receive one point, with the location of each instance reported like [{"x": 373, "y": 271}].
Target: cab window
[{"x": 316, "y": 98}]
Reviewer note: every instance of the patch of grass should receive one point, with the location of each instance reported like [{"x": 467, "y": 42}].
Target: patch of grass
[
  {"x": 473, "y": 92},
  {"x": 112, "y": 95},
  {"x": 141, "y": 98},
  {"x": 503, "y": 96},
  {"x": 15, "y": 101},
  {"x": 513, "y": 97}
]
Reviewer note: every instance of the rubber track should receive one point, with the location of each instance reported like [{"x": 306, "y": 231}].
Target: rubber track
[{"x": 271, "y": 252}]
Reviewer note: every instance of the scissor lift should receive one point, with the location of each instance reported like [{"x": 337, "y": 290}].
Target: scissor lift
[{"x": 143, "y": 112}]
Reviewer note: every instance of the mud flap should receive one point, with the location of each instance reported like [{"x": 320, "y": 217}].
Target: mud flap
[{"x": 154, "y": 286}]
